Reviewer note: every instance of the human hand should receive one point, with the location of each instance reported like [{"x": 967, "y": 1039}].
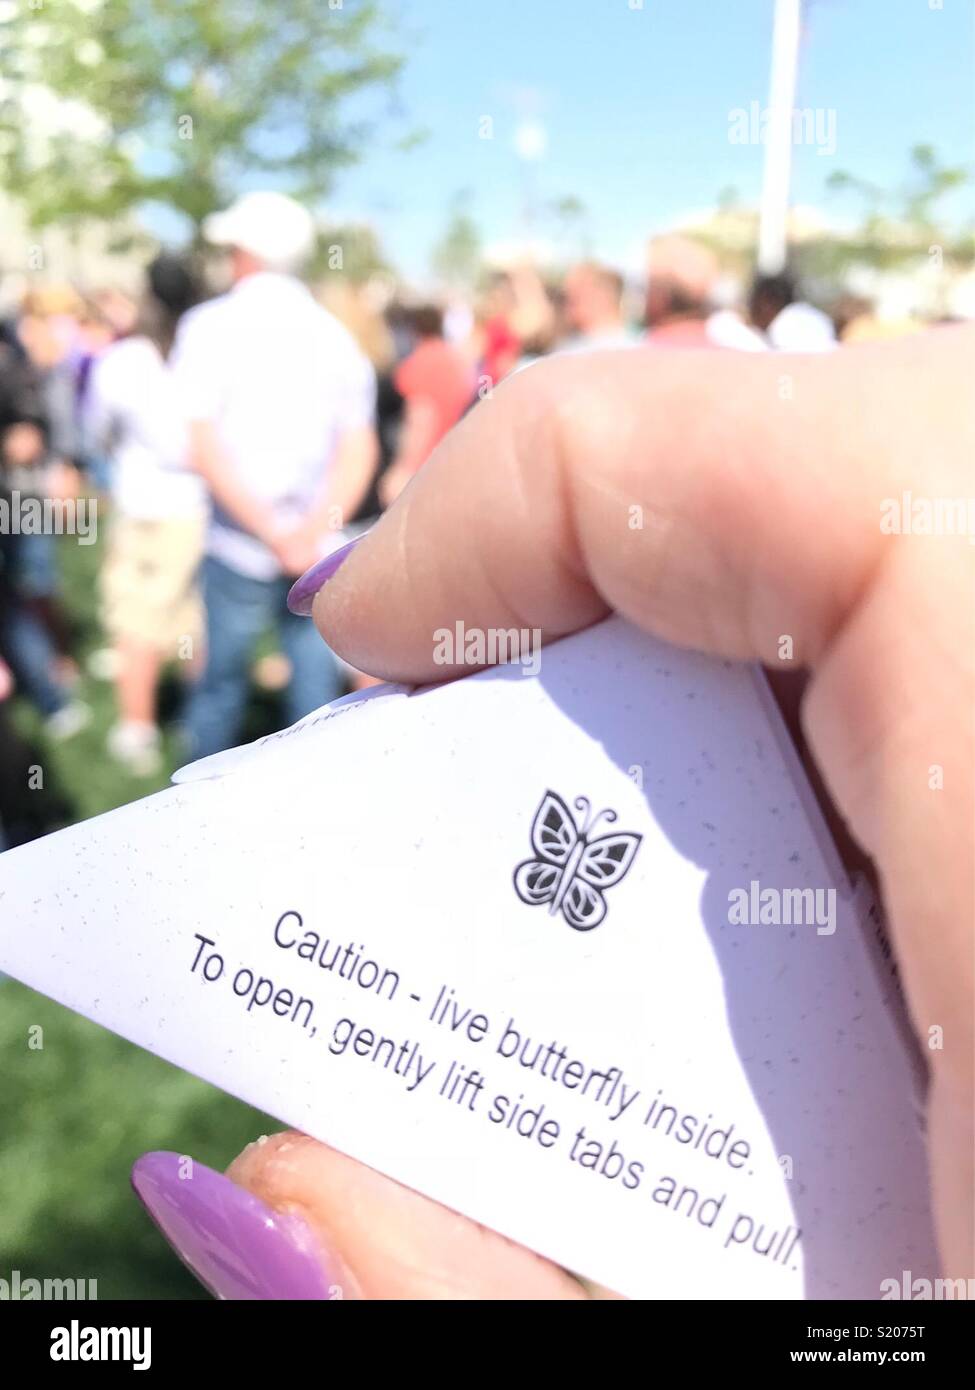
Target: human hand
[
  {"x": 761, "y": 516},
  {"x": 23, "y": 445},
  {"x": 63, "y": 480},
  {"x": 295, "y": 549}
]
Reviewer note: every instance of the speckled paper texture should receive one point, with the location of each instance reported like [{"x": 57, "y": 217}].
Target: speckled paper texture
[{"x": 569, "y": 952}]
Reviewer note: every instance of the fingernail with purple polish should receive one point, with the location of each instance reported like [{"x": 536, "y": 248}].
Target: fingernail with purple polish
[
  {"x": 303, "y": 591},
  {"x": 236, "y": 1245}
]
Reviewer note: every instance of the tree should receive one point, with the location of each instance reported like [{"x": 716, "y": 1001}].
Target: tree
[
  {"x": 457, "y": 255},
  {"x": 899, "y": 225},
  {"x": 572, "y": 222},
  {"x": 181, "y": 102},
  {"x": 349, "y": 250}
]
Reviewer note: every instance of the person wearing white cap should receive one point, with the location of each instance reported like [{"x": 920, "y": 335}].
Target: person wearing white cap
[
  {"x": 788, "y": 322},
  {"x": 280, "y": 402}
]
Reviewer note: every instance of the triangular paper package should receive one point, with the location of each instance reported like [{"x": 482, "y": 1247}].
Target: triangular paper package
[{"x": 570, "y": 952}]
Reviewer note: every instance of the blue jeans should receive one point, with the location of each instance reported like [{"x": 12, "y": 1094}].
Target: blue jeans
[
  {"x": 31, "y": 654},
  {"x": 34, "y": 566},
  {"x": 238, "y": 609}
]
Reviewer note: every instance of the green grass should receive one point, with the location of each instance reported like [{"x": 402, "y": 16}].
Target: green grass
[{"x": 77, "y": 1112}]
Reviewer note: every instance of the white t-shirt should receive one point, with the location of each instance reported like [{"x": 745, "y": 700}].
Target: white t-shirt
[
  {"x": 281, "y": 380},
  {"x": 801, "y": 328},
  {"x": 726, "y": 329},
  {"x": 132, "y": 413}
]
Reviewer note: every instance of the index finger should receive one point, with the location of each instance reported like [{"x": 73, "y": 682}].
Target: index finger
[{"x": 717, "y": 500}]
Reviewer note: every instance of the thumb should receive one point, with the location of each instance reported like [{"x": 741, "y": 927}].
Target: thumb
[
  {"x": 676, "y": 490},
  {"x": 293, "y": 1219}
]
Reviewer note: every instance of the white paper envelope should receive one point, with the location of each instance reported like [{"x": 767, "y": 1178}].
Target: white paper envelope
[{"x": 571, "y": 953}]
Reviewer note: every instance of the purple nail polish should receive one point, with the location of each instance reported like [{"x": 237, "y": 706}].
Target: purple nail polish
[
  {"x": 236, "y": 1245},
  {"x": 303, "y": 591}
]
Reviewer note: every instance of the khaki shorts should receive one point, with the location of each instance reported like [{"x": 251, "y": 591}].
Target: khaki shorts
[{"x": 149, "y": 584}]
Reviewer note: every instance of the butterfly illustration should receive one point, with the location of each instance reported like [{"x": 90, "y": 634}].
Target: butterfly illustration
[{"x": 572, "y": 869}]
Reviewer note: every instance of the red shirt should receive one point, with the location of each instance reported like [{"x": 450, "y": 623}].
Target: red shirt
[
  {"x": 502, "y": 348},
  {"x": 437, "y": 373}
]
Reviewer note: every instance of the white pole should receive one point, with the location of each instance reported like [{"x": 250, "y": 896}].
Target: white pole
[{"x": 772, "y": 237}]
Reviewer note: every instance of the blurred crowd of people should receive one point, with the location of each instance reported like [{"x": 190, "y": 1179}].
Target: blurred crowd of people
[{"x": 232, "y": 439}]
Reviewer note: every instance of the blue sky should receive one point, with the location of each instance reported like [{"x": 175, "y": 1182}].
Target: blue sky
[{"x": 635, "y": 103}]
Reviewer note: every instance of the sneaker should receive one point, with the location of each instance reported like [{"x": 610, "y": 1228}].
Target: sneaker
[
  {"x": 137, "y": 747},
  {"x": 69, "y": 720},
  {"x": 103, "y": 664}
]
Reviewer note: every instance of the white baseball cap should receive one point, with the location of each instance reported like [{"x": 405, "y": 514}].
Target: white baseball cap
[
  {"x": 271, "y": 226},
  {"x": 799, "y": 327}
]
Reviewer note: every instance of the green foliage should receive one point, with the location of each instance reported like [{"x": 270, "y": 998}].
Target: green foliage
[
  {"x": 457, "y": 255},
  {"x": 180, "y": 102},
  {"x": 350, "y": 251},
  {"x": 899, "y": 224},
  {"x": 571, "y": 217}
]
